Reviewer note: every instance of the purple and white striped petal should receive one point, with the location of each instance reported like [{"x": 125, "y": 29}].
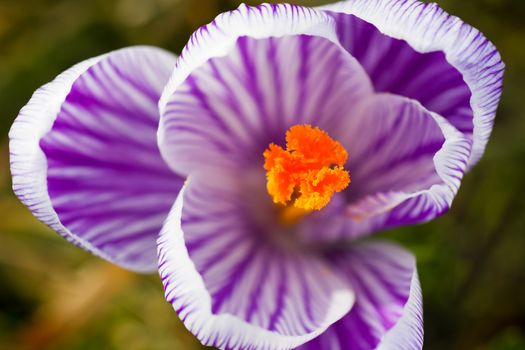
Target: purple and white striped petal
[
  {"x": 267, "y": 20},
  {"x": 410, "y": 205},
  {"x": 248, "y": 76},
  {"x": 419, "y": 51},
  {"x": 387, "y": 313},
  {"x": 232, "y": 286},
  {"x": 406, "y": 165},
  {"x": 231, "y": 108},
  {"x": 84, "y": 156}
]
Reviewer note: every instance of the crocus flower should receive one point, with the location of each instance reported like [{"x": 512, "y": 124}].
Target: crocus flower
[{"x": 265, "y": 155}]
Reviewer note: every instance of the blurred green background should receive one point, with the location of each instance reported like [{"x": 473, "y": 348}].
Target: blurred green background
[{"x": 55, "y": 296}]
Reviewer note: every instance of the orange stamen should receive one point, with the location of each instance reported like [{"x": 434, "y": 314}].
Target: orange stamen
[{"x": 309, "y": 171}]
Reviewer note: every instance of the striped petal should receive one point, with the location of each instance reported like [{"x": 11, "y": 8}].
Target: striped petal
[
  {"x": 388, "y": 313},
  {"x": 233, "y": 286},
  {"x": 406, "y": 165},
  {"x": 84, "y": 157},
  {"x": 243, "y": 80},
  {"x": 419, "y": 51}
]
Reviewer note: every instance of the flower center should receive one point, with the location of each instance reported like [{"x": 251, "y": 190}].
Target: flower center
[{"x": 308, "y": 172}]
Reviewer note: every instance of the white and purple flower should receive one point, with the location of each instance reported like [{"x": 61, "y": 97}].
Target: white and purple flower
[{"x": 396, "y": 95}]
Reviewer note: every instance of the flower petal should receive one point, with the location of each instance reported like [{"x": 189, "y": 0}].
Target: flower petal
[
  {"x": 248, "y": 77},
  {"x": 231, "y": 286},
  {"x": 267, "y": 20},
  {"x": 406, "y": 165},
  {"x": 84, "y": 157},
  {"x": 388, "y": 311},
  {"x": 406, "y": 155},
  {"x": 419, "y": 51}
]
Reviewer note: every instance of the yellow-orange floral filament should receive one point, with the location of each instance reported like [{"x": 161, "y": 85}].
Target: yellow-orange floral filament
[{"x": 309, "y": 171}]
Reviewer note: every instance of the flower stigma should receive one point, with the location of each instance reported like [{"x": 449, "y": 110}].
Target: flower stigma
[{"x": 304, "y": 176}]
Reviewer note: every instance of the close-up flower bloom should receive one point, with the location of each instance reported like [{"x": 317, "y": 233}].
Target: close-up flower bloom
[{"x": 252, "y": 170}]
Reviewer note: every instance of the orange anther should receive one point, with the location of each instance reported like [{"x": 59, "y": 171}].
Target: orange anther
[{"x": 309, "y": 171}]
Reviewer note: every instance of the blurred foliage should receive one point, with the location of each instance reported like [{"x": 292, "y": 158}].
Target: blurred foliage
[{"x": 55, "y": 296}]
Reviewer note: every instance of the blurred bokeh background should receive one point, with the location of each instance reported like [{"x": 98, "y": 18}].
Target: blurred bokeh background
[{"x": 55, "y": 296}]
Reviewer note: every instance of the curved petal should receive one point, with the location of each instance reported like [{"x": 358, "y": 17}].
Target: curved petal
[
  {"x": 84, "y": 157},
  {"x": 419, "y": 51},
  {"x": 234, "y": 288},
  {"x": 388, "y": 312},
  {"x": 267, "y": 20},
  {"x": 406, "y": 165},
  {"x": 248, "y": 77}
]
